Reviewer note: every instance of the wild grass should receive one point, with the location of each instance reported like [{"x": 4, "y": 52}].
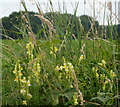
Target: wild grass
[{"x": 60, "y": 70}]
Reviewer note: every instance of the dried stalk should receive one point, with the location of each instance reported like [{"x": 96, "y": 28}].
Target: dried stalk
[
  {"x": 23, "y": 17},
  {"x": 77, "y": 89},
  {"x": 33, "y": 38}
]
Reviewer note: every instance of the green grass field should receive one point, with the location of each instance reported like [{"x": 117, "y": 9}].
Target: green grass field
[
  {"x": 85, "y": 75},
  {"x": 57, "y": 69}
]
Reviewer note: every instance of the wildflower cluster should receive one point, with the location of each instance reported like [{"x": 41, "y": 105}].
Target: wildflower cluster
[
  {"x": 18, "y": 71},
  {"x": 25, "y": 84},
  {"x": 36, "y": 71},
  {"x": 66, "y": 69},
  {"x": 75, "y": 99},
  {"x": 102, "y": 77},
  {"x": 22, "y": 82},
  {"x": 103, "y": 63},
  {"x": 30, "y": 47},
  {"x": 53, "y": 50}
]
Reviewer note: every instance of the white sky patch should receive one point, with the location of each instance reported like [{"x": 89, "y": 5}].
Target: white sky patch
[{"x": 9, "y": 6}]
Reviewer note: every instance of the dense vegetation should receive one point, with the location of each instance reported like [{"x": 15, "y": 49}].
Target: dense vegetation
[{"x": 59, "y": 59}]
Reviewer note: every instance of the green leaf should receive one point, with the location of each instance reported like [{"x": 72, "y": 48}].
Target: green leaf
[
  {"x": 102, "y": 99},
  {"x": 69, "y": 93},
  {"x": 101, "y": 94},
  {"x": 117, "y": 96},
  {"x": 56, "y": 101},
  {"x": 55, "y": 41}
]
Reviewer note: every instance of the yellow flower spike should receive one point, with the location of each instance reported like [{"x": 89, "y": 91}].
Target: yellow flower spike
[
  {"x": 81, "y": 57},
  {"x": 20, "y": 73},
  {"x": 23, "y": 80},
  {"x": 114, "y": 74},
  {"x": 29, "y": 96},
  {"x": 75, "y": 102},
  {"x": 61, "y": 67},
  {"x": 100, "y": 64},
  {"x": 106, "y": 82},
  {"x": 97, "y": 75},
  {"x": 15, "y": 71},
  {"x": 66, "y": 69},
  {"x": 51, "y": 52},
  {"x": 28, "y": 83},
  {"x": 31, "y": 55},
  {"x": 63, "y": 58},
  {"x": 21, "y": 68},
  {"x": 71, "y": 86},
  {"x": 27, "y": 45},
  {"x": 37, "y": 80},
  {"x": 64, "y": 65},
  {"x": 75, "y": 99},
  {"x": 32, "y": 45},
  {"x": 56, "y": 49},
  {"x": 96, "y": 69},
  {"x": 51, "y": 47},
  {"x": 70, "y": 66},
  {"x": 36, "y": 74},
  {"x": 29, "y": 77},
  {"x": 66, "y": 77},
  {"x": 34, "y": 71},
  {"x": 16, "y": 79},
  {"x": 60, "y": 75},
  {"x": 93, "y": 69},
  {"x": 57, "y": 68},
  {"x": 104, "y": 87},
  {"x": 103, "y": 62},
  {"x": 38, "y": 66},
  {"x": 24, "y": 103},
  {"x": 23, "y": 91}
]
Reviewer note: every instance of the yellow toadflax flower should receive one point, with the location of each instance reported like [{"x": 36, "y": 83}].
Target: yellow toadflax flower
[
  {"x": 100, "y": 64},
  {"x": 56, "y": 49},
  {"x": 23, "y": 80},
  {"x": 23, "y": 91},
  {"x": 103, "y": 62},
  {"x": 24, "y": 103},
  {"x": 51, "y": 52},
  {"x": 57, "y": 68},
  {"x": 97, "y": 75},
  {"x": 66, "y": 69},
  {"x": 64, "y": 65},
  {"x": 16, "y": 79},
  {"x": 27, "y": 45},
  {"x": 61, "y": 67},
  {"x": 28, "y": 82},
  {"x": 15, "y": 71},
  {"x": 20, "y": 73},
  {"x": 75, "y": 102},
  {"x": 38, "y": 65},
  {"x": 21, "y": 68},
  {"x": 29, "y": 96},
  {"x": 70, "y": 66},
  {"x": 81, "y": 57}
]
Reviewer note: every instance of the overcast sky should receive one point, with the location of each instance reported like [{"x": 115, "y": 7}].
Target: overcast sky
[{"x": 9, "y": 6}]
